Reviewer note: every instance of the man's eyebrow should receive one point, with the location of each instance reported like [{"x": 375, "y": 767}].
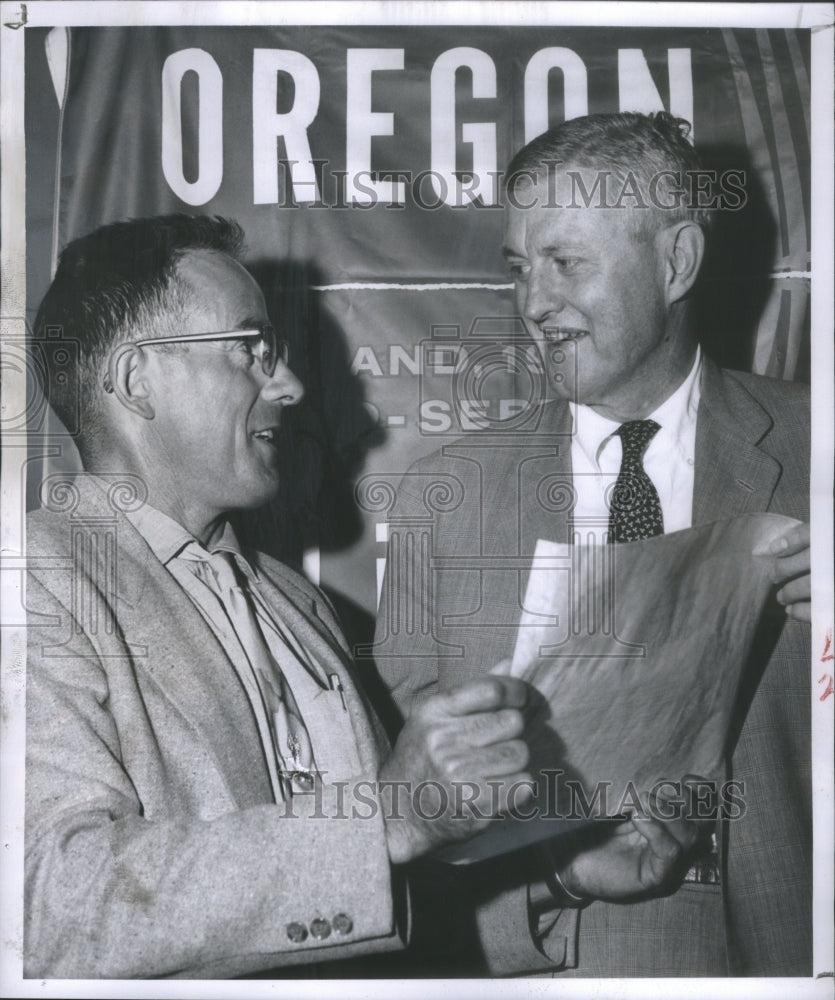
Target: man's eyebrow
[
  {"x": 250, "y": 323},
  {"x": 560, "y": 248}
]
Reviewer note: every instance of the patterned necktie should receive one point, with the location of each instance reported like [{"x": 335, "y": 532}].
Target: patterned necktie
[{"x": 634, "y": 507}]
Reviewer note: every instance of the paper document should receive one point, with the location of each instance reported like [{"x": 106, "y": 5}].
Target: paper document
[{"x": 635, "y": 651}]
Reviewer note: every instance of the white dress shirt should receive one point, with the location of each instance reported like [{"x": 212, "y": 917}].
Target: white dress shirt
[{"x": 668, "y": 461}]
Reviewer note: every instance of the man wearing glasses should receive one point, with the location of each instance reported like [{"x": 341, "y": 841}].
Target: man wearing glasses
[{"x": 208, "y": 792}]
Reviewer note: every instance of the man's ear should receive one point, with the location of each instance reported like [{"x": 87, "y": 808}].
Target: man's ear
[
  {"x": 684, "y": 250},
  {"x": 127, "y": 380}
]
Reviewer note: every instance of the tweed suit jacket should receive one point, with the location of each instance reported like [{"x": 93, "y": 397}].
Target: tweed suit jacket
[
  {"x": 154, "y": 845},
  {"x": 479, "y": 505}
]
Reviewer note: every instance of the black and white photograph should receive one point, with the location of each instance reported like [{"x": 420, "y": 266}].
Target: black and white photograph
[{"x": 417, "y": 499}]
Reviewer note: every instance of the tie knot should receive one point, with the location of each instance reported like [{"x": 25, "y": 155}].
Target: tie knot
[
  {"x": 225, "y": 568},
  {"x": 636, "y": 435},
  {"x": 217, "y": 568}
]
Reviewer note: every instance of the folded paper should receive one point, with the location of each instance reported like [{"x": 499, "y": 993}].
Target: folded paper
[{"x": 635, "y": 652}]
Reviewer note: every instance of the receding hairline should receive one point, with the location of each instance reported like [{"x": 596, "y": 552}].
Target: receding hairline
[
  {"x": 197, "y": 254},
  {"x": 189, "y": 284},
  {"x": 564, "y": 193}
]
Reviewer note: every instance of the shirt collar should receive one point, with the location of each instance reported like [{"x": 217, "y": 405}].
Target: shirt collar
[
  {"x": 676, "y": 416},
  {"x": 167, "y": 538}
]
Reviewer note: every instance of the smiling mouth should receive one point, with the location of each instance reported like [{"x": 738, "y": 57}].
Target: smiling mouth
[
  {"x": 560, "y": 334},
  {"x": 269, "y": 434}
]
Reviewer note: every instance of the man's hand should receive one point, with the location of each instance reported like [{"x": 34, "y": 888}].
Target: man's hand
[
  {"x": 791, "y": 572},
  {"x": 639, "y": 858},
  {"x": 439, "y": 769},
  {"x": 642, "y": 856}
]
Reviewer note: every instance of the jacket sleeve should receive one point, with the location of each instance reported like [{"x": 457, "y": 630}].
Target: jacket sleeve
[
  {"x": 520, "y": 927},
  {"x": 127, "y": 879}
]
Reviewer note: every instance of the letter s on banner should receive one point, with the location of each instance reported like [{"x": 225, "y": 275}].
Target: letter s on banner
[{"x": 209, "y": 125}]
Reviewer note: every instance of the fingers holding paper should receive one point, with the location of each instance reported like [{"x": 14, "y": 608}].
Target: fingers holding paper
[
  {"x": 791, "y": 571},
  {"x": 638, "y": 857},
  {"x": 460, "y": 759},
  {"x": 645, "y": 855}
]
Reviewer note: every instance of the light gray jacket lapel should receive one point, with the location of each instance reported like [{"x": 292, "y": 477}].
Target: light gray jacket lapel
[
  {"x": 315, "y": 628},
  {"x": 160, "y": 634}
]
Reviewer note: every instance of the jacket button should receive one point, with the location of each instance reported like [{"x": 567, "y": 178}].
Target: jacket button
[
  {"x": 320, "y": 928},
  {"x": 296, "y": 932},
  {"x": 342, "y": 923}
]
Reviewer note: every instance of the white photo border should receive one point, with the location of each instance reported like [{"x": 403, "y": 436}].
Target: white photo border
[{"x": 818, "y": 17}]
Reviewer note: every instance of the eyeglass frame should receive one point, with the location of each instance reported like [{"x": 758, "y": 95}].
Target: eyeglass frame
[{"x": 266, "y": 332}]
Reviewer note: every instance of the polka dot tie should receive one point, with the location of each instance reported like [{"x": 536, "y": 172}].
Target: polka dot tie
[{"x": 634, "y": 507}]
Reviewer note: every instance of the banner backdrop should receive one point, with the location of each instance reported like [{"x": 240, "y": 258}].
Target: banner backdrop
[{"x": 364, "y": 164}]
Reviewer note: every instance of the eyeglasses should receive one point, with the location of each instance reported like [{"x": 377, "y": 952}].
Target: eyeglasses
[{"x": 273, "y": 347}]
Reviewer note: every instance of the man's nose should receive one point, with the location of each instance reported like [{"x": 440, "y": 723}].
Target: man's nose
[
  {"x": 283, "y": 386},
  {"x": 541, "y": 297}
]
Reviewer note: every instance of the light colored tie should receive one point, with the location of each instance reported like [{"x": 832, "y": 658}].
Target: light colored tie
[{"x": 288, "y": 734}]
